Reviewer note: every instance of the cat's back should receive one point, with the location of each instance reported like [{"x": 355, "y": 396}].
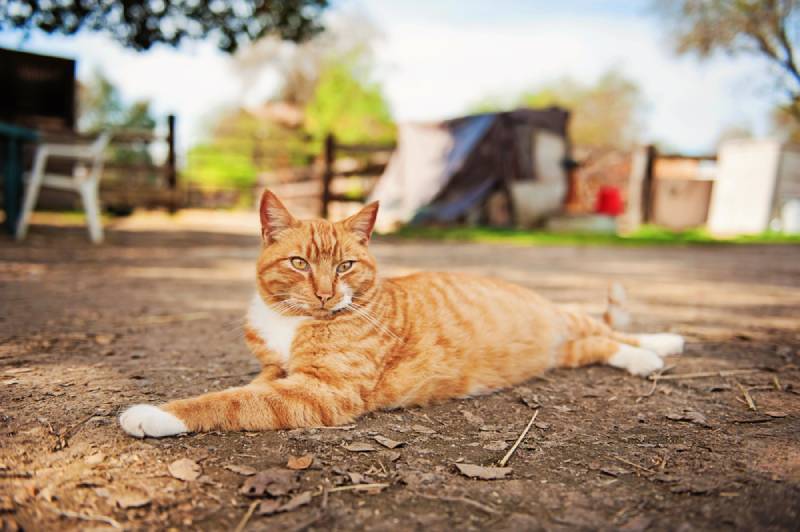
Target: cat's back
[{"x": 463, "y": 297}]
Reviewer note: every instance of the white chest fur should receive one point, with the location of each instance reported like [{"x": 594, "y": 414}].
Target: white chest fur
[{"x": 275, "y": 329}]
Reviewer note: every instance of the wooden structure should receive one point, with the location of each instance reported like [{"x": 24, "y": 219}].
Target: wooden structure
[
  {"x": 37, "y": 91},
  {"x": 350, "y": 172}
]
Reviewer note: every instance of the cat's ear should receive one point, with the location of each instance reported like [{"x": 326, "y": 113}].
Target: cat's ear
[
  {"x": 362, "y": 222},
  {"x": 275, "y": 218}
]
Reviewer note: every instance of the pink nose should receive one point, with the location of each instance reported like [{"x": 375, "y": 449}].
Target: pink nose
[{"x": 324, "y": 297}]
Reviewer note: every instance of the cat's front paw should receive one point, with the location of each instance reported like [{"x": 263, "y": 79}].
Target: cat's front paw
[
  {"x": 636, "y": 360},
  {"x": 663, "y": 344},
  {"x": 149, "y": 420}
]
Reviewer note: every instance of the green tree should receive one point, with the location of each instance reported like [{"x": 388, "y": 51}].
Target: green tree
[
  {"x": 762, "y": 28},
  {"x": 349, "y": 105},
  {"x": 243, "y": 145},
  {"x": 102, "y": 107},
  {"x": 139, "y": 24},
  {"x": 605, "y": 114}
]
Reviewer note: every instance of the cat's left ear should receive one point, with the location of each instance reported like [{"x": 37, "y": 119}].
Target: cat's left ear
[
  {"x": 362, "y": 222},
  {"x": 275, "y": 218}
]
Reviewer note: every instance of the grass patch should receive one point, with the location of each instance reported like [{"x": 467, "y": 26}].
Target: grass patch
[{"x": 645, "y": 236}]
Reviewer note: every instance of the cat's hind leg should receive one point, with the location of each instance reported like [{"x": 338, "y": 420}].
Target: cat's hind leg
[
  {"x": 663, "y": 344},
  {"x": 604, "y": 350}
]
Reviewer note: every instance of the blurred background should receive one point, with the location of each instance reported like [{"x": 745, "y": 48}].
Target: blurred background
[
  {"x": 609, "y": 118},
  {"x": 557, "y": 145}
]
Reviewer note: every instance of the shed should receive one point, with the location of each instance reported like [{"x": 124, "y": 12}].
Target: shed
[
  {"x": 757, "y": 188},
  {"x": 495, "y": 168}
]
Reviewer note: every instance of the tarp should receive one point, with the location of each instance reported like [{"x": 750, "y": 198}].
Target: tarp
[
  {"x": 440, "y": 171},
  {"x": 427, "y": 158}
]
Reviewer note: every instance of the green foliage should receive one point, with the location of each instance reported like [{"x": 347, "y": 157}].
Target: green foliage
[
  {"x": 348, "y": 105},
  {"x": 139, "y": 24},
  {"x": 242, "y": 146},
  {"x": 214, "y": 165},
  {"x": 604, "y": 114},
  {"x": 101, "y": 107},
  {"x": 646, "y": 235}
]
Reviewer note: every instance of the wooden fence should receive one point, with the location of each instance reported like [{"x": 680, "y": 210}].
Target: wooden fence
[{"x": 350, "y": 171}]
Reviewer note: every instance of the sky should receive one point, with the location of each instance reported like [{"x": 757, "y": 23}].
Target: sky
[{"x": 435, "y": 58}]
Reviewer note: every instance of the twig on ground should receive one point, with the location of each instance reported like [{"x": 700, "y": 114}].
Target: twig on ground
[
  {"x": 704, "y": 374},
  {"x": 248, "y": 514},
  {"x": 507, "y": 457},
  {"x": 655, "y": 378},
  {"x": 86, "y": 517},
  {"x": 747, "y": 396},
  {"x": 359, "y": 487},
  {"x": 777, "y": 383},
  {"x": 461, "y": 499},
  {"x": 634, "y": 464},
  {"x": 757, "y": 420},
  {"x": 340, "y": 427}
]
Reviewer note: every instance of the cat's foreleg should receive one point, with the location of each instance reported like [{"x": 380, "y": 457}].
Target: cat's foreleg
[{"x": 296, "y": 401}]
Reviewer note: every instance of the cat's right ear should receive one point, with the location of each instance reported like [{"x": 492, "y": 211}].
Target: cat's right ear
[{"x": 275, "y": 217}]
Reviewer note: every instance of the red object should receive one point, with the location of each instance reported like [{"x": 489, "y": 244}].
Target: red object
[{"x": 609, "y": 201}]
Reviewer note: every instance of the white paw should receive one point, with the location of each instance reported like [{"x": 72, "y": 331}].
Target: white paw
[
  {"x": 636, "y": 360},
  {"x": 663, "y": 344},
  {"x": 149, "y": 420}
]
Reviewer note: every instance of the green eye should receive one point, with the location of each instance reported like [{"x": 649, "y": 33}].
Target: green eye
[
  {"x": 345, "y": 266},
  {"x": 299, "y": 264}
]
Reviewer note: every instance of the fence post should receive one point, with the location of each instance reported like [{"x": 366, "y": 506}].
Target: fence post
[
  {"x": 171, "y": 170},
  {"x": 327, "y": 175}
]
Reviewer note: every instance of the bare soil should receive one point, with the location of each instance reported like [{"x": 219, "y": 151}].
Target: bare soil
[{"x": 156, "y": 314}]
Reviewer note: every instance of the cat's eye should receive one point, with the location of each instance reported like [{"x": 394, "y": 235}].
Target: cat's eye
[
  {"x": 345, "y": 266},
  {"x": 299, "y": 264}
]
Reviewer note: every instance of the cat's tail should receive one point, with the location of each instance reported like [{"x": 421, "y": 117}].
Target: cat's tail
[{"x": 616, "y": 315}]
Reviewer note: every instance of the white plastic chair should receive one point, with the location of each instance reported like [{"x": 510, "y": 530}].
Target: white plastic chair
[{"x": 85, "y": 180}]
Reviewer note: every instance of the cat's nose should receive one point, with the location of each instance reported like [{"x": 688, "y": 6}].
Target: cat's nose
[{"x": 324, "y": 297}]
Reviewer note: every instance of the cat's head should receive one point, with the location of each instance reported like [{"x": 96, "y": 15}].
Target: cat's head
[{"x": 314, "y": 267}]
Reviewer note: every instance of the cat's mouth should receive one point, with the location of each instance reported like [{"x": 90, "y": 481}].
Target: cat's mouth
[{"x": 326, "y": 314}]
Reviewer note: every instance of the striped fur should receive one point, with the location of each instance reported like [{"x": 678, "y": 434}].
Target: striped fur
[{"x": 402, "y": 341}]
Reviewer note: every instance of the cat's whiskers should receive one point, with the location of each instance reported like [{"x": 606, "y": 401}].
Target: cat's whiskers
[{"x": 368, "y": 317}]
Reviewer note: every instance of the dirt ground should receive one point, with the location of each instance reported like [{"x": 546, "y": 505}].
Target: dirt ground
[{"x": 155, "y": 314}]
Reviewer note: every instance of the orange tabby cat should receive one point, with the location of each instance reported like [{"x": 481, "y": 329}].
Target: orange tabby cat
[{"x": 335, "y": 341}]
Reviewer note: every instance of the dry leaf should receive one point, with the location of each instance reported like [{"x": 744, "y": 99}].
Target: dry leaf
[
  {"x": 775, "y": 413},
  {"x": 692, "y": 416},
  {"x": 496, "y": 446},
  {"x": 274, "y": 482},
  {"x": 357, "y": 478},
  {"x": 422, "y": 429},
  {"x": 245, "y": 471},
  {"x": 268, "y": 507},
  {"x": 296, "y": 502},
  {"x": 300, "y": 462},
  {"x": 94, "y": 459},
  {"x": 360, "y": 447},
  {"x": 483, "y": 473},
  {"x": 472, "y": 418},
  {"x": 387, "y": 442},
  {"x": 104, "y": 339},
  {"x": 131, "y": 499},
  {"x": 185, "y": 469},
  {"x": 273, "y": 506},
  {"x": 392, "y": 456}
]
